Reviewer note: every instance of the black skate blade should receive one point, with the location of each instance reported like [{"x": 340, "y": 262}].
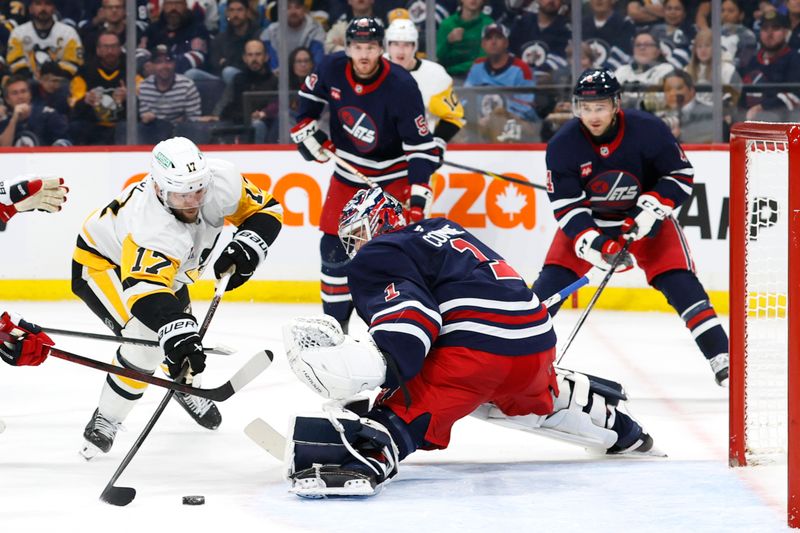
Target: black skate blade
[{"x": 119, "y": 496}]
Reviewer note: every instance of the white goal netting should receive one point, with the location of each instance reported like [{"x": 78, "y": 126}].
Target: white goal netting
[{"x": 766, "y": 278}]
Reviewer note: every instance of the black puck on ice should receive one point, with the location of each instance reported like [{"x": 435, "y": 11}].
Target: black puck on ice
[{"x": 194, "y": 500}]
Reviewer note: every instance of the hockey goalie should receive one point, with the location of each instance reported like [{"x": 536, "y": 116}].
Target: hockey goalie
[{"x": 453, "y": 331}]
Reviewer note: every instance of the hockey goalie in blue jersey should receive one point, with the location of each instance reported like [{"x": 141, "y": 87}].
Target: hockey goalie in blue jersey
[
  {"x": 453, "y": 331},
  {"x": 377, "y": 125},
  {"x": 614, "y": 174}
]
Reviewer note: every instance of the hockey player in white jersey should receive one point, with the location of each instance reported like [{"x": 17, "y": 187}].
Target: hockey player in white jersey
[
  {"x": 135, "y": 257},
  {"x": 441, "y": 103}
]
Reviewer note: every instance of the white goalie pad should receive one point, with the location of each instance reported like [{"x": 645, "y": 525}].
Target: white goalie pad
[
  {"x": 568, "y": 422},
  {"x": 334, "y": 365}
]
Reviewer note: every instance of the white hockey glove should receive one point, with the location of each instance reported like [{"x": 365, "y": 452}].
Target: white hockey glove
[
  {"x": 312, "y": 143},
  {"x": 26, "y": 193},
  {"x": 644, "y": 219},
  {"x": 334, "y": 365},
  {"x": 420, "y": 202},
  {"x": 600, "y": 250}
]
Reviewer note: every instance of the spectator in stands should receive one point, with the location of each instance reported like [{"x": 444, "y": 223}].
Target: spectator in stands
[
  {"x": 699, "y": 68},
  {"x": 51, "y": 89},
  {"x": 257, "y": 76},
  {"x": 540, "y": 39},
  {"x": 690, "y": 120},
  {"x": 562, "y": 110},
  {"x": 608, "y": 33},
  {"x": 301, "y": 30},
  {"x": 111, "y": 17},
  {"x": 98, "y": 93},
  {"x": 43, "y": 39},
  {"x": 165, "y": 98},
  {"x": 642, "y": 78},
  {"x": 227, "y": 49},
  {"x": 675, "y": 34},
  {"x": 645, "y": 12},
  {"x": 302, "y": 65},
  {"x": 183, "y": 34},
  {"x": 738, "y": 40},
  {"x": 774, "y": 63},
  {"x": 793, "y": 8},
  {"x": 504, "y": 117},
  {"x": 458, "y": 39},
  {"x": 30, "y": 124}
]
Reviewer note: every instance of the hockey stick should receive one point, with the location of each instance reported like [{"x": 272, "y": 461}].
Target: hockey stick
[
  {"x": 266, "y": 437},
  {"x": 350, "y": 168},
  {"x": 572, "y": 287},
  {"x": 121, "y": 496},
  {"x": 614, "y": 264},
  {"x": 496, "y": 176},
  {"x": 215, "y": 350},
  {"x": 257, "y": 364}
]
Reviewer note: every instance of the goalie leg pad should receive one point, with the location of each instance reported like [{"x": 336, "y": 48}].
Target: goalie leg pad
[{"x": 339, "y": 454}]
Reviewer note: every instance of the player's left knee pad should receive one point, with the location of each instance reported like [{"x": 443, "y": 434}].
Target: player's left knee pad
[
  {"x": 333, "y": 453},
  {"x": 336, "y": 300}
]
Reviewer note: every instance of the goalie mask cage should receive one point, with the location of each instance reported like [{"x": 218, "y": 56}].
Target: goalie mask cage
[{"x": 765, "y": 300}]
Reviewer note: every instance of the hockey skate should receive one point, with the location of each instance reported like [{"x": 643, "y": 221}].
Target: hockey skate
[
  {"x": 321, "y": 481},
  {"x": 719, "y": 365},
  {"x": 203, "y": 411},
  {"x": 99, "y": 435}
]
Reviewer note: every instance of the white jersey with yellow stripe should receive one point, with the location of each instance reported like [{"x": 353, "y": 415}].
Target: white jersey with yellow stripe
[
  {"x": 438, "y": 95},
  {"x": 28, "y": 48},
  {"x": 155, "y": 251}
]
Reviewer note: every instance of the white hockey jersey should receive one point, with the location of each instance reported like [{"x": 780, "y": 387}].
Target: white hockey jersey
[
  {"x": 436, "y": 86},
  {"x": 27, "y": 48},
  {"x": 157, "y": 252}
]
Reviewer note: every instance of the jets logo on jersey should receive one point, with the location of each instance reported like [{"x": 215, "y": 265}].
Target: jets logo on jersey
[
  {"x": 535, "y": 53},
  {"x": 613, "y": 190},
  {"x": 586, "y": 169},
  {"x": 360, "y": 127}
]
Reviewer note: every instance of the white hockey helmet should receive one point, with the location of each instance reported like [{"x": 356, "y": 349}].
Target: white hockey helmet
[
  {"x": 402, "y": 31},
  {"x": 181, "y": 172}
]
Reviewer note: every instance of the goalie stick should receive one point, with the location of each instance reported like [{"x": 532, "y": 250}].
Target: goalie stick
[
  {"x": 266, "y": 437},
  {"x": 214, "y": 350},
  {"x": 121, "y": 496}
]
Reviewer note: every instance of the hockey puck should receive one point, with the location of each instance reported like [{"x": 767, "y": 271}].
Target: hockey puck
[{"x": 194, "y": 500}]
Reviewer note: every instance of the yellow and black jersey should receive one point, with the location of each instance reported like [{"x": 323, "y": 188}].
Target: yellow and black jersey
[
  {"x": 445, "y": 112},
  {"x": 156, "y": 253},
  {"x": 29, "y": 48}
]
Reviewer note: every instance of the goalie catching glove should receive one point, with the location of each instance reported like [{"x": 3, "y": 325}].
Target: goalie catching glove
[
  {"x": 334, "y": 365},
  {"x": 181, "y": 342},
  {"x": 645, "y": 219},
  {"x": 22, "y": 343},
  {"x": 25, "y": 193},
  {"x": 312, "y": 143},
  {"x": 601, "y": 250}
]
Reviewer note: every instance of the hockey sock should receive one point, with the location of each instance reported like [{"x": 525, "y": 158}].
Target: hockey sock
[
  {"x": 685, "y": 293},
  {"x": 552, "y": 279},
  {"x": 336, "y": 300},
  {"x": 119, "y": 393},
  {"x": 407, "y": 437}
]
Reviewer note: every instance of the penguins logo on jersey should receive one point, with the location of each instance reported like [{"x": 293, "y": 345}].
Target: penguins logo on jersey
[
  {"x": 613, "y": 190},
  {"x": 360, "y": 127}
]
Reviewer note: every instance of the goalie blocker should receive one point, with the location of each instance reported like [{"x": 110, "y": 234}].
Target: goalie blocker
[{"x": 339, "y": 453}]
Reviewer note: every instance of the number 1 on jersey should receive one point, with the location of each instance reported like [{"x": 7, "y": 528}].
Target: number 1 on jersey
[{"x": 500, "y": 268}]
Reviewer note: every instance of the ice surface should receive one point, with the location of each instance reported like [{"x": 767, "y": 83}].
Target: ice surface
[{"x": 490, "y": 479}]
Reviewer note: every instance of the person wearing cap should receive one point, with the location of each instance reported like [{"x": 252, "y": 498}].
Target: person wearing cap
[
  {"x": 458, "y": 39},
  {"x": 165, "y": 97},
  {"x": 42, "y": 39},
  {"x": 377, "y": 129},
  {"x": 775, "y": 63},
  {"x": 500, "y": 68}
]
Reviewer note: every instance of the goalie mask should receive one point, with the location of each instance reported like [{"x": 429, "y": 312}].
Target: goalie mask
[
  {"x": 181, "y": 172},
  {"x": 369, "y": 213}
]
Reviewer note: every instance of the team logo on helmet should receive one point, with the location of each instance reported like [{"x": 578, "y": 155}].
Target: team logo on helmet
[
  {"x": 613, "y": 190},
  {"x": 360, "y": 127}
]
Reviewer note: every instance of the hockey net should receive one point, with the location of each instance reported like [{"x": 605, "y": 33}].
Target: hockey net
[{"x": 765, "y": 300}]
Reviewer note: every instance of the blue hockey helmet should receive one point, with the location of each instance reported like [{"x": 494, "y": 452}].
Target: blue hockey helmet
[
  {"x": 369, "y": 213},
  {"x": 364, "y": 30}
]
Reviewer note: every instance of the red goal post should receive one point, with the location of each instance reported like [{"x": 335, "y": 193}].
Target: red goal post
[{"x": 765, "y": 300}]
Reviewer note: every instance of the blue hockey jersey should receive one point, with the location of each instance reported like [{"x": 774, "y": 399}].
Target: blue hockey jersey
[
  {"x": 378, "y": 126},
  {"x": 594, "y": 185},
  {"x": 435, "y": 284}
]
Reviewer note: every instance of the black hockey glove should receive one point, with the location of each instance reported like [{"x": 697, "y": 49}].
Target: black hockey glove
[
  {"x": 181, "y": 342},
  {"x": 244, "y": 253}
]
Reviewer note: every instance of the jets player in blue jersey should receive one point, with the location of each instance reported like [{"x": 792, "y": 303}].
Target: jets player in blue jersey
[
  {"x": 615, "y": 174},
  {"x": 377, "y": 123},
  {"x": 453, "y": 330}
]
